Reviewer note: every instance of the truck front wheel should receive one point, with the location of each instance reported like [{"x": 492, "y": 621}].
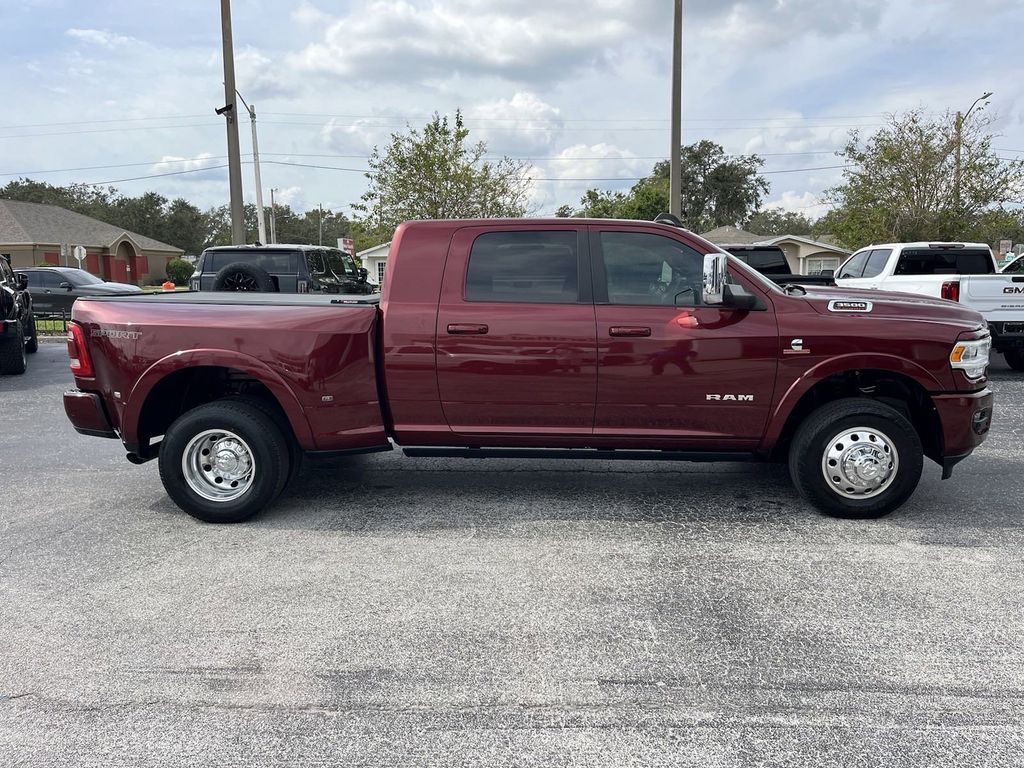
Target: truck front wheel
[
  {"x": 856, "y": 458},
  {"x": 223, "y": 462}
]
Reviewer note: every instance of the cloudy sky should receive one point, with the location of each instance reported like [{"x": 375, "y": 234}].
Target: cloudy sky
[{"x": 112, "y": 90}]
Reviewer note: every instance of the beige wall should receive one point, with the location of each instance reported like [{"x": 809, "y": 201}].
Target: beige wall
[{"x": 797, "y": 254}]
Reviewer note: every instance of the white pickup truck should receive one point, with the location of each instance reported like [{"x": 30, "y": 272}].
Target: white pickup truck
[{"x": 963, "y": 272}]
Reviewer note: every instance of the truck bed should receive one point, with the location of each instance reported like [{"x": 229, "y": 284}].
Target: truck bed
[{"x": 315, "y": 354}]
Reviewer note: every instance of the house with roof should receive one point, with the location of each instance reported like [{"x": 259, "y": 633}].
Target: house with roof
[
  {"x": 804, "y": 255},
  {"x": 375, "y": 260},
  {"x": 35, "y": 233}
]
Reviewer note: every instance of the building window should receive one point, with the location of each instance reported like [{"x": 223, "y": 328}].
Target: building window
[
  {"x": 380, "y": 272},
  {"x": 815, "y": 266}
]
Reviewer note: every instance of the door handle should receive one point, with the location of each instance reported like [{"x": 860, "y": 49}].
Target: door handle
[
  {"x": 467, "y": 329},
  {"x": 629, "y": 330}
]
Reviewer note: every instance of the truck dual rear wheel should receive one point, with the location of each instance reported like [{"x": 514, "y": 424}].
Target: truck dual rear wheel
[
  {"x": 856, "y": 458},
  {"x": 223, "y": 462}
]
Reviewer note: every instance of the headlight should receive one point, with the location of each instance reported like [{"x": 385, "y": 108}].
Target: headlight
[{"x": 971, "y": 357}]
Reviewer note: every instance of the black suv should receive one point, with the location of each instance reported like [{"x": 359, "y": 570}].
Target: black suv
[
  {"x": 278, "y": 269},
  {"x": 17, "y": 325}
]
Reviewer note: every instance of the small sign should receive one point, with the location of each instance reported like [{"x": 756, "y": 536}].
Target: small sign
[
  {"x": 348, "y": 245},
  {"x": 79, "y": 254}
]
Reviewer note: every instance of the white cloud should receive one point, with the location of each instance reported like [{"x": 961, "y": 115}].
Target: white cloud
[
  {"x": 100, "y": 37},
  {"x": 421, "y": 40},
  {"x": 807, "y": 203},
  {"x": 194, "y": 166},
  {"x": 258, "y": 77},
  {"x": 524, "y": 123}
]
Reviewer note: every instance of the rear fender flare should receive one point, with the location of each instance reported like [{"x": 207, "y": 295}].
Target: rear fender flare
[
  {"x": 195, "y": 358},
  {"x": 836, "y": 365}
]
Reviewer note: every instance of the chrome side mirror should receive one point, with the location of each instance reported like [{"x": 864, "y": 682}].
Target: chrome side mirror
[{"x": 716, "y": 272}]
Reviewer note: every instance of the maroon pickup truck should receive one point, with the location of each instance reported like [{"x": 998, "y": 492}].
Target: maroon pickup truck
[{"x": 545, "y": 338}]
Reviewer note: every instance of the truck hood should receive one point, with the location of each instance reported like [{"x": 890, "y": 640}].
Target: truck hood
[{"x": 885, "y": 304}]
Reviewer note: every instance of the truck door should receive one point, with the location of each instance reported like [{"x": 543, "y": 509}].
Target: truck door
[
  {"x": 669, "y": 367},
  {"x": 516, "y": 336}
]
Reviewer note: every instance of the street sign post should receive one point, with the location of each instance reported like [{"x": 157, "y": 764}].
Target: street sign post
[{"x": 79, "y": 254}]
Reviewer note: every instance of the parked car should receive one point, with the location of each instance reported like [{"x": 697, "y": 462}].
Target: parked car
[
  {"x": 770, "y": 261},
  {"x": 962, "y": 272},
  {"x": 54, "y": 289},
  {"x": 545, "y": 338},
  {"x": 17, "y": 322},
  {"x": 279, "y": 269}
]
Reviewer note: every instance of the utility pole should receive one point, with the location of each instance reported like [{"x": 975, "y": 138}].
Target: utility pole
[
  {"x": 676, "y": 162},
  {"x": 321, "y": 207},
  {"x": 231, "y": 115},
  {"x": 273, "y": 218},
  {"x": 960, "y": 120},
  {"x": 260, "y": 219}
]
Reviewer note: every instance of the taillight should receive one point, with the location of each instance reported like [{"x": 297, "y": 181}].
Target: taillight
[
  {"x": 78, "y": 352},
  {"x": 951, "y": 290}
]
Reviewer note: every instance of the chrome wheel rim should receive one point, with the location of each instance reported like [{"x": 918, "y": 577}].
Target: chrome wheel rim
[
  {"x": 860, "y": 463},
  {"x": 218, "y": 465}
]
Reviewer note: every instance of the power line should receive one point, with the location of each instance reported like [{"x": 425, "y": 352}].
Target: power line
[
  {"x": 560, "y": 120},
  {"x": 157, "y": 175},
  {"x": 108, "y": 130},
  {"x": 98, "y": 122},
  {"x": 120, "y": 165}
]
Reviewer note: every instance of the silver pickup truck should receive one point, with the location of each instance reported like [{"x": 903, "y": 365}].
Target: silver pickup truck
[{"x": 963, "y": 272}]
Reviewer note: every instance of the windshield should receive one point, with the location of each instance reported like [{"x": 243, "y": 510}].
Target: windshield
[
  {"x": 341, "y": 263},
  {"x": 80, "y": 277}
]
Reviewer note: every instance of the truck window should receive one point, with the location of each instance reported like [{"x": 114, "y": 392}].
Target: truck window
[
  {"x": 274, "y": 262},
  {"x": 877, "y": 261},
  {"x": 945, "y": 261},
  {"x": 855, "y": 266},
  {"x": 529, "y": 267},
  {"x": 649, "y": 269}
]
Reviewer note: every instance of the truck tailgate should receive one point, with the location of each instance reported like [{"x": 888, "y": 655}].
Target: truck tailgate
[{"x": 1000, "y": 298}]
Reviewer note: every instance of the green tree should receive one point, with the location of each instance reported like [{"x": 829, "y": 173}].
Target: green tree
[
  {"x": 771, "y": 222},
  {"x": 717, "y": 189},
  {"x": 900, "y": 183},
  {"x": 435, "y": 173},
  {"x": 179, "y": 271}
]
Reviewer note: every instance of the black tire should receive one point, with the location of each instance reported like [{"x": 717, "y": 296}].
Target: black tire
[
  {"x": 884, "y": 430},
  {"x": 12, "y": 352},
  {"x": 295, "y": 452},
  {"x": 256, "y": 431},
  {"x": 1015, "y": 358},
  {"x": 242, "y": 276},
  {"x": 32, "y": 345}
]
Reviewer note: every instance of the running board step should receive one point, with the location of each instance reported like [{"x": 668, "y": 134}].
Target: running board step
[{"x": 576, "y": 453}]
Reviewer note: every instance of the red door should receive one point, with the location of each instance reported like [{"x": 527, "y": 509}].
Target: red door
[
  {"x": 667, "y": 366},
  {"x": 516, "y": 339}
]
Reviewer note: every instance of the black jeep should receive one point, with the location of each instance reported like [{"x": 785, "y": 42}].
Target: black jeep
[
  {"x": 278, "y": 269},
  {"x": 17, "y": 325}
]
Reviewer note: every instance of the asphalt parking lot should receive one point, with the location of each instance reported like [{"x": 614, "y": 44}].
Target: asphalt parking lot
[{"x": 400, "y": 612}]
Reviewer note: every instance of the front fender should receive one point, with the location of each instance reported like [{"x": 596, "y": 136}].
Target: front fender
[
  {"x": 194, "y": 358},
  {"x": 841, "y": 364}
]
